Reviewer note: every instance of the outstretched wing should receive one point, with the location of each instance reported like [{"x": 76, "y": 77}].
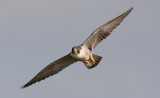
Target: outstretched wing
[
  {"x": 103, "y": 31},
  {"x": 52, "y": 69}
]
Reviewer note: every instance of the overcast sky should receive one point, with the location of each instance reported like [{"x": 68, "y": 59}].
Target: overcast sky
[{"x": 33, "y": 33}]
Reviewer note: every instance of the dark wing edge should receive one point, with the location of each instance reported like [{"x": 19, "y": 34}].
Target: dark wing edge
[
  {"x": 52, "y": 69},
  {"x": 103, "y": 31}
]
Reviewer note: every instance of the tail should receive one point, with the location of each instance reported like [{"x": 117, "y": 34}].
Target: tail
[{"x": 97, "y": 60}]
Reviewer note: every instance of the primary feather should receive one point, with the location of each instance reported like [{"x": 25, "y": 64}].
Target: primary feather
[
  {"x": 103, "y": 31},
  {"x": 52, "y": 69}
]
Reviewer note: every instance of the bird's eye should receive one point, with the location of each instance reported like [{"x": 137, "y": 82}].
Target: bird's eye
[{"x": 78, "y": 51}]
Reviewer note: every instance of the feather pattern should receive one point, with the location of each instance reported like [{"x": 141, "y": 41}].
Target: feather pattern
[
  {"x": 52, "y": 69},
  {"x": 103, "y": 31}
]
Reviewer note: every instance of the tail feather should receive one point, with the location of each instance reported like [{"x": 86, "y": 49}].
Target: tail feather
[{"x": 97, "y": 60}]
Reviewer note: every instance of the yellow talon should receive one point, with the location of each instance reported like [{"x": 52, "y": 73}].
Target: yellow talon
[
  {"x": 87, "y": 62},
  {"x": 90, "y": 61},
  {"x": 91, "y": 58}
]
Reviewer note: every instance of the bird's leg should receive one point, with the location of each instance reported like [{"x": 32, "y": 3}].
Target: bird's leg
[
  {"x": 92, "y": 60},
  {"x": 87, "y": 61}
]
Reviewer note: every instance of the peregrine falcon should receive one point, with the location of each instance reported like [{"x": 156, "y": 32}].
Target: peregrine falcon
[{"x": 81, "y": 53}]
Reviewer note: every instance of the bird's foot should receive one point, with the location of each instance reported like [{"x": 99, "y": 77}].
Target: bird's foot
[{"x": 90, "y": 61}]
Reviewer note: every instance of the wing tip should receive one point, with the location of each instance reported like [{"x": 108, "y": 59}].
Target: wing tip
[
  {"x": 26, "y": 85},
  {"x": 132, "y": 7},
  {"x": 128, "y": 11},
  {"x": 22, "y": 87}
]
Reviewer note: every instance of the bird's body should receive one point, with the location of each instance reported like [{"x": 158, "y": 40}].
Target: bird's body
[{"x": 81, "y": 53}]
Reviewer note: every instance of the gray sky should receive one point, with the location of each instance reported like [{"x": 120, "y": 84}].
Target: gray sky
[{"x": 33, "y": 33}]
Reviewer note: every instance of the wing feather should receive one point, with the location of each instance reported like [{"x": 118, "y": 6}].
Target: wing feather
[
  {"x": 103, "y": 31},
  {"x": 52, "y": 69}
]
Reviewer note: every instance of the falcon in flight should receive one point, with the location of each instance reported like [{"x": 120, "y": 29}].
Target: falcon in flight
[{"x": 81, "y": 53}]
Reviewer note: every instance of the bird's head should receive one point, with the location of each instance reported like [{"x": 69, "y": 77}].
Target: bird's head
[{"x": 76, "y": 50}]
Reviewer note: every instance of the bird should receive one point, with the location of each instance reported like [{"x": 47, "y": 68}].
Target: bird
[{"x": 82, "y": 53}]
